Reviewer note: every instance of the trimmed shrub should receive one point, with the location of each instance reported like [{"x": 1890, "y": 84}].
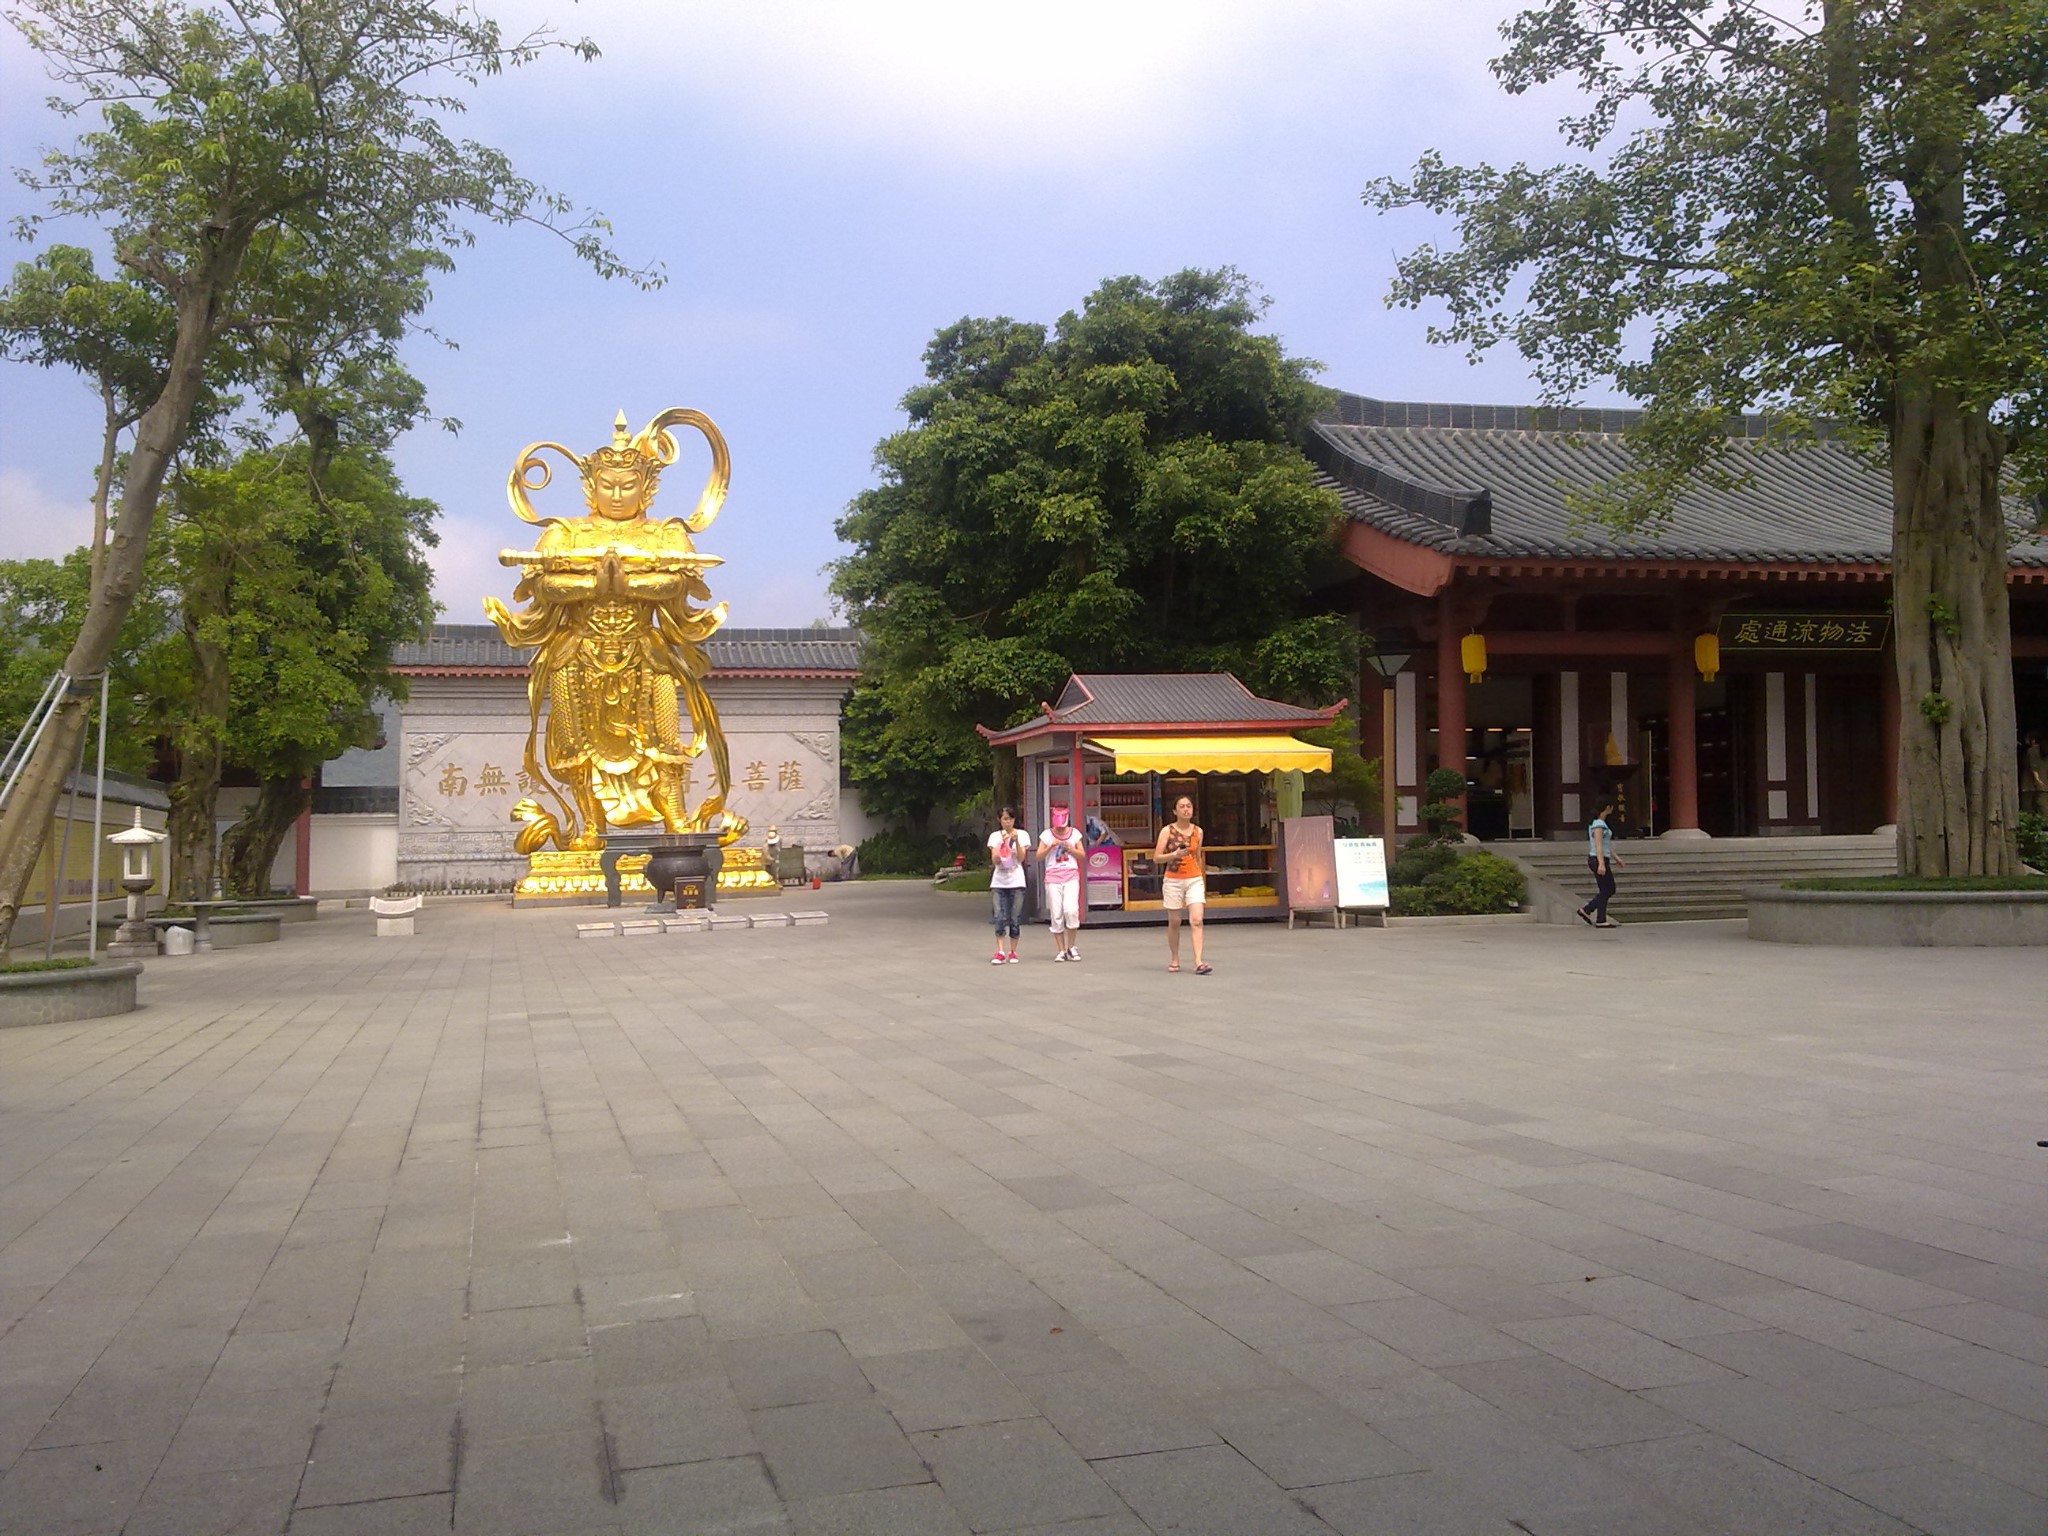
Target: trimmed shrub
[
  {"x": 1442, "y": 819},
  {"x": 1419, "y": 860},
  {"x": 2033, "y": 831},
  {"x": 1462, "y": 885}
]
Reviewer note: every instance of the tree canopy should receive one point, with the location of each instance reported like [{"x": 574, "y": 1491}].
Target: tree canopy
[
  {"x": 1120, "y": 492},
  {"x": 1834, "y": 211}
]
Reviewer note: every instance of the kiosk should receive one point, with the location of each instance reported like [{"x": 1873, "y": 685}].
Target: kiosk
[{"x": 1134, "y": 743}]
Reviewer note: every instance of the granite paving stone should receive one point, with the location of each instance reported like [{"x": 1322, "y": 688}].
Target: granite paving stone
[
  {"x": 1207, "y": 1491},
  {"x": 1299, "y": 1438},
  {"x": 1014, "y": 1473},
  {"x": 943, "y": 1388},
  {"x": 667, "y": 1422},
  {"x": 843, "y": 1446},
  {"x": 1110, "y": 1409},
  {"x": 830, "y": 1230}
]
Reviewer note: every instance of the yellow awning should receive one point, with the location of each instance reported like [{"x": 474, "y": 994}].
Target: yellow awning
[{"x": 1212, "y": 754}]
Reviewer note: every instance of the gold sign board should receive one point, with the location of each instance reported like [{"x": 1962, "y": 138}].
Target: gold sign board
[{"x": 1751, "y": 633}]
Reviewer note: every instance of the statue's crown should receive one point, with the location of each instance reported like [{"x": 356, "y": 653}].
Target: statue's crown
[{"x": 626, "y": 451}]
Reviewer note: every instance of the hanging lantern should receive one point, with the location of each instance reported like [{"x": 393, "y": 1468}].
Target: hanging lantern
[
  {"x": 1473, "y": 651},
  {"x": 1706, "y": 655}
]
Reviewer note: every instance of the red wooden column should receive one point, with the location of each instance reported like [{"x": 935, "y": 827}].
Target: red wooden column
[
  {"x": 1685, "y": 741},
  {"x": 1450, "y": 690}
]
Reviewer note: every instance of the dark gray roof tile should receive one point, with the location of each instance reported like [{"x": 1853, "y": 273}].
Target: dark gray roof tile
[
  {"x": 730, "y": 650},
  {"x": 1194, "y": 698},
  {"x": 1409, "y": 471}
]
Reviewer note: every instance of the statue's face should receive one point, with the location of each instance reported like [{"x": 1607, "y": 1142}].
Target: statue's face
[{"x": 618, "y": 494}]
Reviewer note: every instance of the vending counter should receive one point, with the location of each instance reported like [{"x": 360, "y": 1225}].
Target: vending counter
[{"x": 1113, "y": 748}]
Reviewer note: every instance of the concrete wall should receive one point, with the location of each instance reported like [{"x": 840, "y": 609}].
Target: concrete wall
[
  {"x": 354, "y": 855},
  {"x": 1895, "y": 919}
]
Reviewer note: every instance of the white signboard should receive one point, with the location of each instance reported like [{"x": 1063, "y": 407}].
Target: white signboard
[{"x": 1361, "y": 872}]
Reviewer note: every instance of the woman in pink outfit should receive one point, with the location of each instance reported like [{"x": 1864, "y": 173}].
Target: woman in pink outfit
[{"x": 1060, "y": 851}]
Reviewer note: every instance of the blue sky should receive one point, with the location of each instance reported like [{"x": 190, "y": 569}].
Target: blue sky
[{"x": 829, "y": 183}]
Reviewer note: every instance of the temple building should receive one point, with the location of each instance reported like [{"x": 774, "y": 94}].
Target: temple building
[{"x": 1729, "y": 673}]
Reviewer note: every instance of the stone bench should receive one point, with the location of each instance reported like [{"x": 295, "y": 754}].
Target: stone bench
[
  {"x": 63, "y": 997},
  {"x": 396, "y": 914},
  {"x": 228, "y": 930},
  {"x": 286, "y": 909}
]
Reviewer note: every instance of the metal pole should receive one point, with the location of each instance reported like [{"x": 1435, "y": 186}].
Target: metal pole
[
  {"x": 99, "y": 848},
  {"x": 54, "y": 695},
  {"x": 14, "y": 746},
  {"x": 1388, "y": 809},
  {"x": 54, "y": 906}
]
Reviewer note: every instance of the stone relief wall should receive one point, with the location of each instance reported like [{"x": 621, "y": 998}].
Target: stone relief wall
[{"x": 461, "y": 748}]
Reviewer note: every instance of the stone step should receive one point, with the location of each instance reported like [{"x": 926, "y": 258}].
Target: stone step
[{"x": 1664, "y": 882}]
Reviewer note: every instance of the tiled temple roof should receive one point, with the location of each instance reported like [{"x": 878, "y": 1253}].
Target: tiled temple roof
[
  {"x": 794, "y": 652},
  {"x": 1490, "y": 481}
]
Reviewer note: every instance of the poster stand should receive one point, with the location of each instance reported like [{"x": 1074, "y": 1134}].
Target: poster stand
[
  {"x": 1307, "y": 851},
  {"x": 1361, "y": 868}
]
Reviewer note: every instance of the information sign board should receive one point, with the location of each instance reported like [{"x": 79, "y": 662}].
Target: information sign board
[{"x": 1361, "y": 872}]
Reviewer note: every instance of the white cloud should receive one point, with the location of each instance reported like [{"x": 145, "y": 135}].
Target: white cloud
[
  {"x": 466, "y": 564},
  {"x": 1054, "y": 83},
  {"x": 37, "y": 525}
]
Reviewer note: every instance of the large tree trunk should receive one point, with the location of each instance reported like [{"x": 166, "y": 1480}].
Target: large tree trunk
[
  {"x": 195, "y": 799},
  {"x": 1958, "y": 767},
  {"x": 25, "y": 822},
  {"x": 250, "y": 846}
]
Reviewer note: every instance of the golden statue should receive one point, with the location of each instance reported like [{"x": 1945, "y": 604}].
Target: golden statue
[{"x": 614, "y": 622}]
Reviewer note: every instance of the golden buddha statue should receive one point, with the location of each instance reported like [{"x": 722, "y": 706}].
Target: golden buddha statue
[{"x": 614, "y": 622}]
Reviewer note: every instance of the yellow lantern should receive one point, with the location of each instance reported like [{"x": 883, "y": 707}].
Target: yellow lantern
[
  {"x": 1706, "y": 655},
  {"x": 1473, "y": 650}
]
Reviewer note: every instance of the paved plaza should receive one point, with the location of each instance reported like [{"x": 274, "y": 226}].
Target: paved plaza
[{"x": 841, "y": 1231}]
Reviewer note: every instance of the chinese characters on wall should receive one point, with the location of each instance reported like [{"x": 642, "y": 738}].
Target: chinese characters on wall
[{"x": 1762, "y": 632}]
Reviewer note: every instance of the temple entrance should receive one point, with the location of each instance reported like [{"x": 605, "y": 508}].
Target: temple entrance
[
  {"x": 1852, "y": 766},
  {"x": 1727, "y": 802}
]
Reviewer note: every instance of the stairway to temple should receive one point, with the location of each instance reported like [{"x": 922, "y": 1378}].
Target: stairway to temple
[{"x": 1676, "y": 882}]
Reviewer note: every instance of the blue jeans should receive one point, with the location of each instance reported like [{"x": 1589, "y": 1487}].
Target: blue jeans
[{"x": 1009, "y": 905}]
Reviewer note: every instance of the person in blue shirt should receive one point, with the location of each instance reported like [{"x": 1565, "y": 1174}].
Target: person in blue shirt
[{"x": 1602, "y": 860}]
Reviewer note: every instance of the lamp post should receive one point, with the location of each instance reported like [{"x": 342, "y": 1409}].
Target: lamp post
[
  {"x": 1387, "y": 658},
  {"x": 135, "y": 937}
]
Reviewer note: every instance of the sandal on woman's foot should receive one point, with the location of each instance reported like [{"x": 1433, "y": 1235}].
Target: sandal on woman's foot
[
  {"x": 1204, "y": 969},
  {"x": 1173, "y": 965}
]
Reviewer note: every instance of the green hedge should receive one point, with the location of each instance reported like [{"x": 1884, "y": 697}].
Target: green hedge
[
  {"x": 1436, "y": 880},
  {"x": 909, "y": 853},
  {"x": 2034, "y": 840},
  {"x": 25, "y": 967}
]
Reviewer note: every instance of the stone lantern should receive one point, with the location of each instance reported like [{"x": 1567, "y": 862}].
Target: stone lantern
[{"x": 135, "y": 936}]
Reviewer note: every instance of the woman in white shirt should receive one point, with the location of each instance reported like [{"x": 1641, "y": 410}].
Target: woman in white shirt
[{"x": 1007, "y": 851}]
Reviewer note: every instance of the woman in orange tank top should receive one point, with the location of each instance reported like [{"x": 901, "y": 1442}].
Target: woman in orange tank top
[{"x": 1179, "y": 852}]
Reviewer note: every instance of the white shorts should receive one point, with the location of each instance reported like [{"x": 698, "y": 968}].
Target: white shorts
[
  {"x": 1184, "y": 893},
  {"x": 1063, "y": 903}
]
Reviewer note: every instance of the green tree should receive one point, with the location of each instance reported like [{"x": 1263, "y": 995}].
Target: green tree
[
  {"x": 1833, "y": 211},
  {"x": 226, "y": 132},
  {"x": 59, "y": 312},
  {"x": 292, "y": 594},
  {"x": 1123, "y": 492},
  {"x": 40, "y": 601},
  {"x": 313, "y": 655}
]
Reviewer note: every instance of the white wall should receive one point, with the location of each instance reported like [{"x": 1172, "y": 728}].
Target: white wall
[{"x": 354, "y": 854}]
